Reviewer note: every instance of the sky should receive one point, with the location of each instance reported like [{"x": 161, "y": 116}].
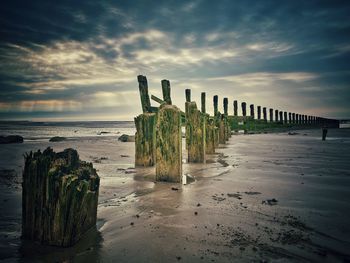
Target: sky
[{"x": 79, "y": 60}]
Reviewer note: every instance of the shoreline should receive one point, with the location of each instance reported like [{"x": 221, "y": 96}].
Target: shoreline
[{"x": 308, "y": 179}]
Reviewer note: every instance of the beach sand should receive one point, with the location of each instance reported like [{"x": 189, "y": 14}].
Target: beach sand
[{"x": 262, "y": 197}]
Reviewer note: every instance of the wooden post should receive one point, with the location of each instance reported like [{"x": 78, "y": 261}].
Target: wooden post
[
  {"x": 210, "y": 136},
  {"x": 259, "y": 112},
  {"x": 227, "y": 126},
  {"x": 285, "y": 117},
  {"x": 252, "y": 114},
  {"x": 281, "y": 116},
  {"x": 244, "y": 111},
  {"x": 143, "y": 88},
  {"x": 222, "y": 129},
  {"x": 225, "y": 102},
  {"x": 290, "y": 117},
  {"x": 166, "y": 91},
  {"x": 195, "y": 133},
  {"x": 215, "y": 101},
  {"x": 265, "y": 114},
  {"x": 168, "y": 144},
  {"x": 235, "y": 108},
  {"x": 59, "y": 197},
  {"x": 271, "y": 115},
  {"x": 293, "y": 117},
  {"x": 276, "y": 115},
  {"x": 188, "y": 95},
  {"x": 145, "y": 139},
  {"x": 203, "y": 102}
]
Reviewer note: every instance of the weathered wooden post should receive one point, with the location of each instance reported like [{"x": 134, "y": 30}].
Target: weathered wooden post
[
  {"x": 216, "y": 120},
  {"x": 285, "y": 118},
  {"x": 235, "y": 108},
  {"x": 281, "y": 117},
  {"x": 195, "y": 131},
  {"x": 293, "y": 115},
  {"x": 145, "y": 139},
  {"x": 59, "y": 197},
  {"x": 290, "y": 117},
  {"x": 222, "y": 129},
  {"x": 276, "y": 115},
  {"x": 252, "y": 113},
  {"x": 188, "y": 95},
  {"x": 203, "y": 108},
  {"x": 209, "y": 128},
  {"x": 145, "y": 126},
  {"x": 227, "y": 126},
  {"x": 264, "y": 114},
  {"x": 271, "y": 115},
  {"x": 143, "y": 88},
  {"x": 244, "y": 107},
  {"x": 166, "y": 91},
  {"x": 259, "y": 112},
  {"x": 168, "y": 144}
]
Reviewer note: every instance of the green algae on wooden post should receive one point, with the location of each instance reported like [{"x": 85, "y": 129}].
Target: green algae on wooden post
[
  {"x": 210, "y": 136},
  {"x": 195, "y": 133},
  {"x": 59, "y": 197},
  {"x": 143, "y": 88},
  {"x": 166, "y": 91},
  {"x": 227, "y": 126},
  {"x": 145, "y": 138},
  {"x": 168, "y": 144},
  {"x": 222, "y": 129}
]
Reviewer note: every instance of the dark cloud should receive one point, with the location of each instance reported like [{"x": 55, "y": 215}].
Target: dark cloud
[{"x": 70, "y": 50}]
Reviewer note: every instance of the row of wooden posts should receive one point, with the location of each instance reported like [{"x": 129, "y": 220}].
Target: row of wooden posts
[{"x": 158, "y": 138}]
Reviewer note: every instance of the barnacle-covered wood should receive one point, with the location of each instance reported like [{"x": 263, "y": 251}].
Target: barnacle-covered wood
[
  {"x": 168, "y": 144},
  {"x": 59, "y": 199},
  {"x": 195, "y": 133},
  {"x": 210, "y": 135},
  {"x": 145, "y": 139}
]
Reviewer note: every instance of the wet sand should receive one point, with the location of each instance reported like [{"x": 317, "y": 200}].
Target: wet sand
[{"x": 273, "y": 197}]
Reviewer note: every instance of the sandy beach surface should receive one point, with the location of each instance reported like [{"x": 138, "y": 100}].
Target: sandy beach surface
[{"x": 262, "y": 197}]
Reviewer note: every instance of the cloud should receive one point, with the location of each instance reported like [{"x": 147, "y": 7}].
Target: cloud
[{"x": 283, "y": 55}]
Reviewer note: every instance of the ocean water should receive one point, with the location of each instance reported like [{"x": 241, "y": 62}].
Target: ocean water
[{"x": 45, "y": 130}]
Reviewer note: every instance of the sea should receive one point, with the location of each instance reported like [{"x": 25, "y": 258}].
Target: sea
[{"x": 42, "y": 131}]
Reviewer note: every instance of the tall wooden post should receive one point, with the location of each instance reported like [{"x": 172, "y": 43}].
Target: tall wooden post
[
  {"x": 166, "y": 91},
  {"x": 145, "y": 139},
  {"x": 168, "y": 144},
  {"x": 290, "y": 117},
  {"x": 225, "y": 102},
  {"x": 143, "y": 88},
  {"x": 285, "y": 117},
  {"x": 252, "y": 114},
  {"x": 259, "y": 112},
  {"x": 188, "y": 95},
  {"x": 276, "y": 115},
  {"x": 195, "y": 133},
  {"x": 265, "y": 114},
  {"x": 271, "y": 115},
  {"x": 281, "y": 116},
  {"x": 235, "y": 108},
  {"x": 215, "y": 101},
  {"x": 244, "y": 109},
  {"x": 203, "y": 103}
]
